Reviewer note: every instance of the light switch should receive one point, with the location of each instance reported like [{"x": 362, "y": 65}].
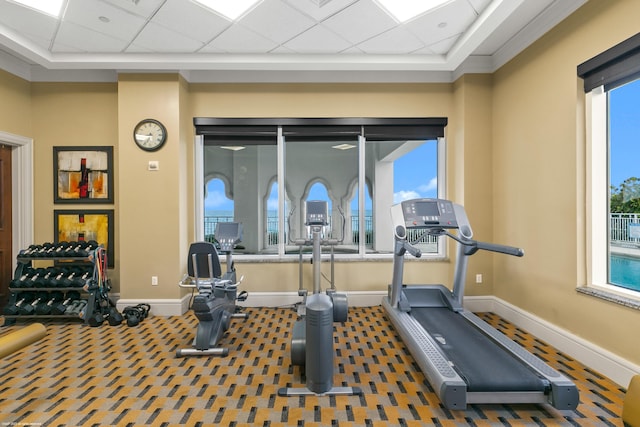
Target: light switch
[{"x": 154, "y": 165}]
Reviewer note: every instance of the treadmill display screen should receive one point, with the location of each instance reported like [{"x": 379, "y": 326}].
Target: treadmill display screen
[{"x": 428, "y": 209}]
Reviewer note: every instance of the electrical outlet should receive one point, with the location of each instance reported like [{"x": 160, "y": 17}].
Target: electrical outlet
[
  {"x": 154, "y": 280},
  {"x": 478, "y": 278}
]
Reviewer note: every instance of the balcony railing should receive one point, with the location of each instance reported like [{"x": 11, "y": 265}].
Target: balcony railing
[
  {"x": 271, "y": 237},
  {"x": 624, "y": 229}
]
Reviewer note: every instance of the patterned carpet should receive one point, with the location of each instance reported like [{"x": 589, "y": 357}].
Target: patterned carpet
[{"x": 129, "y": 376}]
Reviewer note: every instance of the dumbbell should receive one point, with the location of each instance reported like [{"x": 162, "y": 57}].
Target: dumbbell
[
  {"x": 30, "y": 308},
  {"x": 59, "y": 308},
  {"x": 44, "y": 250},
  {"x": 55, "y": 297},
  {"x": 30, "y": 250},
  {"x": 56, "y": 281},
  {"x": 76, "y": 307},
  {"x": 80, "y": 281},
  {"x": 31, "y": 281},
  {"x": 44, "y": 277},
  {"x": 23, "y": 298},
  {"x": 59, "y": 249},
  {"x": 22, "y": 280},
  {"x": 68, "y": 280}
]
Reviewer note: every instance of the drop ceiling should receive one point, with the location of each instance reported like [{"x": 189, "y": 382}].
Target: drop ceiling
[{"x": 277, "y": 41}]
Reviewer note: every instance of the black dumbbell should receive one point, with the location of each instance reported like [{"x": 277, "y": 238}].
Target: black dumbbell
[
  {"x": 23, "y": 298},
  {"x": 21, "y": 281},
  {"x": 30, "y": 250},
  {"x": 44, "y": 250},
  {"x": 42, "y": 281},
  {"x": 30, "y": 308},
  {"x": 56, "y": 281},
  {"x": 80, "y": 281},
  {"x": 59, "y": 308},
  {"x": 55, "y": 297}
]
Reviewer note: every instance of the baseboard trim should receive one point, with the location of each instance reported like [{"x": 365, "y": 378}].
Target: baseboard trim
[
  {"x": 177, "y": 307},
  {"x": 616, "y": 368}
]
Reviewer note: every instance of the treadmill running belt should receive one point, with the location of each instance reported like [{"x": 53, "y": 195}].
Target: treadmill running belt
[{"x": 484, "y": 365}]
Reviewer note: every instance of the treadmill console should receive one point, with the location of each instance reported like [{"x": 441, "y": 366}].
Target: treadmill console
[{"x": 429, "y": 213}]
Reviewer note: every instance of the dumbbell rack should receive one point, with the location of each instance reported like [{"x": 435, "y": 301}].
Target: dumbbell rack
[{"x": 24, "y": 262}]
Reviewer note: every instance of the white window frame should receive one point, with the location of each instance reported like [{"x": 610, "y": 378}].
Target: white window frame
[
  {"x": 597, "y": 194},
  {"x": 362, "y": 254}
]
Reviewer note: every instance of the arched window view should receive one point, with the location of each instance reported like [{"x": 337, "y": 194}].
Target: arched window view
[{"x": 359, "y": 178}]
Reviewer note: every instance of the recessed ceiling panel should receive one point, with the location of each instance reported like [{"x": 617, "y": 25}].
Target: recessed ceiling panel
[
  {"x": 395, "y": 41},
  {"x": 80, "y": 38},
  {"x": 360, "y": 22},
  {"x": 103, "y": 18},
  {"x": 444, "y": 22},
  {"x": 319, "y": 13},
  {"x": 143, "y": 8},
  {"x": 27, "y": 21},
  {"x": 188, "y": 18},
  {"x": 276, "y": 21},
  {"x": 239, "y": 40},
  {"x": 160, "y": 39},
  {"x": 318, "y": 40}
]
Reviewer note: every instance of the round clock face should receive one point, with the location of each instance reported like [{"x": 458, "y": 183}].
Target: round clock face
[{"x": 150, "y": 135}]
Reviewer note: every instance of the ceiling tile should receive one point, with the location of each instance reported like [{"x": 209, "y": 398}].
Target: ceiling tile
[
  {"x": 72, "y": 37},
  {"x": 396, "y": 40},
  {"x": 318, "y": 40},
  {"x": 143, "y": 8},
  {"x": 27, "y": 21},
  {"x": 444, "y": 22},
  {"x": 190, "y": 19},
  {"x": 360, "y": 22},
  {"x": 319, "y": 13},
  {"x": 160, "y": 39},
  {"x": 276, "y": 21},
  {"x": 240, "y": 40},
  {"x": 122, "y": 25}
]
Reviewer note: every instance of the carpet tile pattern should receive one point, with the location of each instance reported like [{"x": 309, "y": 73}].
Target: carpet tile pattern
[{"x": 130, "y": 376}]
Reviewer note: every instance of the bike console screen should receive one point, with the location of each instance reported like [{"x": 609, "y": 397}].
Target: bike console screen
[{"x": 429, "y": 213}]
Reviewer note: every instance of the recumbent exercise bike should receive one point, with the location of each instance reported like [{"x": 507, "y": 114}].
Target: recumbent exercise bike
[{"x": 215, "y": 303}]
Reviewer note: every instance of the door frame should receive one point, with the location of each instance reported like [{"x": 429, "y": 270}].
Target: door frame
[{"x": 22, "y": 191}]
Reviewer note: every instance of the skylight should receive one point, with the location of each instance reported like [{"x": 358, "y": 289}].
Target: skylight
[
  {"x": 403, "y": 10},
  {"x": 230, "y": 9},
  {"x": 50, "y": 7}
]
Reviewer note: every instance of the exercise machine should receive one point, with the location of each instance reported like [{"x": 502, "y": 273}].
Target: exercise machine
[
  {"x": 215, "y": 303},
  {"x": 312, "y": 335},
  {"x": 465, "y": 360}
]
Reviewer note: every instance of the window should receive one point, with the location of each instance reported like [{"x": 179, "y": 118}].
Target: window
[
  {"x": 262, "y": 171},
  {"x": 624, "y": 184},
  {"x": 612, "y": 84}
]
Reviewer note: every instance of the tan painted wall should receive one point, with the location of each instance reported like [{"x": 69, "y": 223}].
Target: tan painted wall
[
  {"x": 538, "y": 182},
  {"x": 331, "y": 100},
  {"x": 68, "y": 114},
  {"x": 15, "y": 107}
]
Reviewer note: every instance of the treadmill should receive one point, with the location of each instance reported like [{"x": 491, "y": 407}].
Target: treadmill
[{"x": 465, "y": 360}]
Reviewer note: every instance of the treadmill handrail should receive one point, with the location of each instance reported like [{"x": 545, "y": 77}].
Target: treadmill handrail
[{"x": 472, "y": 246}]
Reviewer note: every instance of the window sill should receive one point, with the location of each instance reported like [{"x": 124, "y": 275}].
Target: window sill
[{"x": 610, "y": 296}]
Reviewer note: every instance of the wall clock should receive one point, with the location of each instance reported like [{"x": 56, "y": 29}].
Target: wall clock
[{"x": 150, "y": 134}]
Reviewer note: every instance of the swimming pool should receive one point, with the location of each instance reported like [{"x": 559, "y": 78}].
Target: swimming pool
[{"x": 625, "y": 271}]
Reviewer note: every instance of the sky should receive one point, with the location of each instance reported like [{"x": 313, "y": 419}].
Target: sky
[
  {"x": 414, "y": 177},
  {"x": 624, "y": 113}
]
